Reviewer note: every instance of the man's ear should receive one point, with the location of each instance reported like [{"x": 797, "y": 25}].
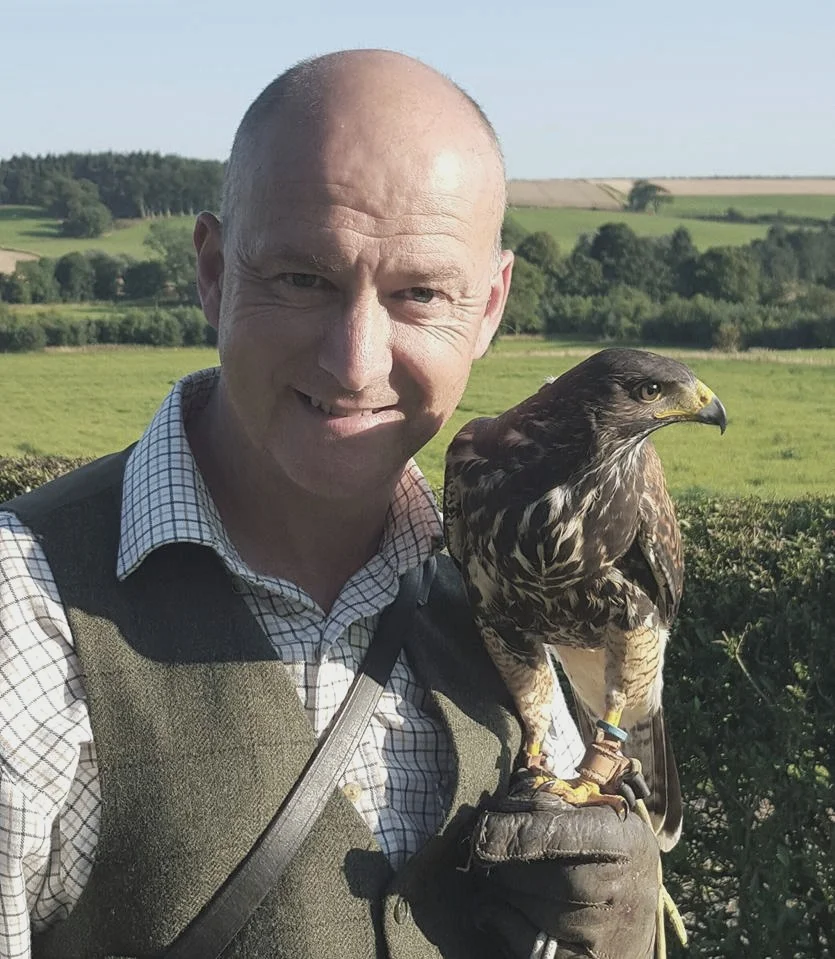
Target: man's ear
[
  {"x": 208, "y": 242},
  {"x": 499, "y": 290}
]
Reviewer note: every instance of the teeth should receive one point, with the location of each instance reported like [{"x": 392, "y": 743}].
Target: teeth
[{"x": 330, "y": 411}]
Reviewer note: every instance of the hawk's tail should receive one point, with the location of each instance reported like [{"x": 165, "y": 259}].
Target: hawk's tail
[{"x": 649, "y": 743}]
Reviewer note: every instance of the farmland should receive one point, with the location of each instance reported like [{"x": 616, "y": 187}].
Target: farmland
[
  {"x": 780, "y": 441},
  {"x": 30, "y": 230},
  {"x": 565, "y": 208},
  {"x": 569, "y": 208},
  {"x": 567, "y": 225},
  {"x": 817, "y": 207}
]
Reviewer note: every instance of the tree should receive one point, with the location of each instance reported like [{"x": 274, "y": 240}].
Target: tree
[
  {"x": 541, "y": 249},
  {"x": 144, "y": 280},
  {"x": 727, "y": 273},
  {"x": 86, "y": 219},
  {"x": 577, "y": 275},
  {"x": 75, "y": 276},
  {"x": 107, "y": 275},
  {"x": 630, "y": 260},
  {"x": 173, "y": 244},
  {"x": 62, "y": 193},
  {"x": 39, "y": 278},
  {"x": 522, "y": 312},
  {"x": 779, "y": 266},
  {"x": 512, "y": 233},
  {"x": 680, "y": 255},
  {"x": 645, "y": 194}
]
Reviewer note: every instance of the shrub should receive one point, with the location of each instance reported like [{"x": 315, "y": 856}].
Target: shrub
[
  {"x": 19, "y": 335},
  {"x": 750, "y": 700},
  {"x": 192, "y": 324},
  {"x": 67, "y": 330},
  {"x": 18, "y": 475},
  {"x": 150, "y": 328}
]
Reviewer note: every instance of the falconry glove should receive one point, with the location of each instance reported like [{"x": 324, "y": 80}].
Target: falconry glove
[{"x": 557, "y": 881}]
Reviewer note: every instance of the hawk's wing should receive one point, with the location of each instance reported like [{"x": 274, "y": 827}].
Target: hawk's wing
[
  {"x": 656, "y": 563},
  {"x": 459, "y": 454},
  {"x": 659, "y": 539}
]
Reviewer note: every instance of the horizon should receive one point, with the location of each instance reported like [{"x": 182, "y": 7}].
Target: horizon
[{"x": 727, "y": 91}]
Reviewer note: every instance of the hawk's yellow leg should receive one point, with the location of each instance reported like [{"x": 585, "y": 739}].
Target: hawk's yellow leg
[{"x": 602, "y": 763}]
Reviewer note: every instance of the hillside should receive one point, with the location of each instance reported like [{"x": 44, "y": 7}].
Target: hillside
[
  {"x": 610, "y": 194},
  {"x": 567, "y": 208},
  {"x": 27, "y": 232}
]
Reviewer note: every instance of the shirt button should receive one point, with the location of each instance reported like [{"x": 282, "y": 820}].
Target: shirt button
[
  {"x": 401, "y": 911},
  {"x": 352, "y": 791}
]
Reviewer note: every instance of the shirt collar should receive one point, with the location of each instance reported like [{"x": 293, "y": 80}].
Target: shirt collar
[{"x": 165, "y": 499}]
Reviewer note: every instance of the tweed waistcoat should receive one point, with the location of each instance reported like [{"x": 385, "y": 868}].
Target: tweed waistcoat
[{"x": 200, "y": 735}]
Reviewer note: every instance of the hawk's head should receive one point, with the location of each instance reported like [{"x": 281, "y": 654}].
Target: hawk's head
[{"x": 631, "y": 393}]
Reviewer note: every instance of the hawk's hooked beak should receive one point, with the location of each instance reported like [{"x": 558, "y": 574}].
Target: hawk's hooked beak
[{"x": 702, "y": 406}]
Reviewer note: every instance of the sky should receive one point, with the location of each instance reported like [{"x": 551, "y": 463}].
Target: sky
[{"x": 575, "y": 89}]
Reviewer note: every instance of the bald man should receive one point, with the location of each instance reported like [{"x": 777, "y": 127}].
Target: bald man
[{"x": 180, "y": 621}]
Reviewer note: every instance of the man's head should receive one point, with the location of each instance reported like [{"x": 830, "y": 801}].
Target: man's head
[{"x": 356, "y": 274}]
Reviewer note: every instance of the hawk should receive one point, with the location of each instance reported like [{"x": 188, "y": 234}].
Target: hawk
[{"x": 558, "y": 517}]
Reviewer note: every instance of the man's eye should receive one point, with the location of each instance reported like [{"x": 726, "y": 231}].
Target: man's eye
[
  {"x": 303, "y": 281},
  {"x": 421, "y": 294}
]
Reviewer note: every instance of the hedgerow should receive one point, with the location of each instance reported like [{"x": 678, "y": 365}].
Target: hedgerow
[{"x": 177, "y": 326}]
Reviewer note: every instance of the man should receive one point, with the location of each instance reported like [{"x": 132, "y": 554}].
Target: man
[{"x": 256, "y": 532}]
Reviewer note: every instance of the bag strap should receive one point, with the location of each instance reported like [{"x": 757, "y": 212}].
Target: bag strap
[{"x": 220, "y": 920}]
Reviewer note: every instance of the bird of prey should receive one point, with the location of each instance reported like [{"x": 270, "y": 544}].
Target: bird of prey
[{"x": 557, "y": 514}]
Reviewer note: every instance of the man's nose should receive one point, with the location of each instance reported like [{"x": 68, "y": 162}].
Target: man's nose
[{"x": 356, "y": 347}]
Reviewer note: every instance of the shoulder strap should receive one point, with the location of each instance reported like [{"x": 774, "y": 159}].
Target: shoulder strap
[{"x": 211, "y": 931}]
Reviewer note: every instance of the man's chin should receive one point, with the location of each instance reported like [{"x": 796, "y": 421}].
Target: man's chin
[{"x": 340, "y": 480}]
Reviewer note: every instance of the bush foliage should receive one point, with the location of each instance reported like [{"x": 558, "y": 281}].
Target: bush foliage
[
  {"x": 750, "y": 696},
  {"x": 616, "y": 286},
  {"x": 750, "y": 701},
  {"x": 180, "y": 326}
]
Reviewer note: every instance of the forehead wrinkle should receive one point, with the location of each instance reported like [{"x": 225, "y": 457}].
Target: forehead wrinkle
[
  {"x": 429, "y": 265},
  {"x": 325, "y": 231},
  {"x": 390, "y": 201}
]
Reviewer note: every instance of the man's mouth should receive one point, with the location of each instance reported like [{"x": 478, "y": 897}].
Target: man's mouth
[{"x": 340, "y": 410}]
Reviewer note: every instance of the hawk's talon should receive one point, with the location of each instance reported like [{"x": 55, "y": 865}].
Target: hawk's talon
[{"x": 579, "y": 792}]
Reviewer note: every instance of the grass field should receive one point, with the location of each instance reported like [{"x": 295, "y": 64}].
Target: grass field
[
  {"x": 819, "y": 207},
  {"x": 780, "y": 441},
  {"x": 567, "y": 225},
  {"x": 30, "y": 230}
]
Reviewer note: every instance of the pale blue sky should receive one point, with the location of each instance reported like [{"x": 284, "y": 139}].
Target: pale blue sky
[{"x": 600, "y": 88}]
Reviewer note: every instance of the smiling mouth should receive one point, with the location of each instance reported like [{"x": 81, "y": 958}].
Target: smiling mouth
[{"x": 342, "y": 412}]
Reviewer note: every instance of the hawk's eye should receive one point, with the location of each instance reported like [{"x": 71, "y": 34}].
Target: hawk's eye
[{"x": 649, "y": 392}]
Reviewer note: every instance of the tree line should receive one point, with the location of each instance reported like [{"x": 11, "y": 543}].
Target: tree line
[
  {"x": 615, "y": 285},
  {"x": 88, "y": 190},
  {"x": 167, "y": 275}
]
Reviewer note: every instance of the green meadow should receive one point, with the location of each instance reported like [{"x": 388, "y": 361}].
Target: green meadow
[
  {"x": 780, "y": 441},
  {"x": 819, "y": 207},
  {"x": 30, "y": 230},
  {"x": 567, "y": 224}
]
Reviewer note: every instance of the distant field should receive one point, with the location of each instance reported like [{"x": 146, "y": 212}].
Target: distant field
[
  {"x": 567, "y": 225},
  {"x": 609, "y": 193},
  {"x": 780, "y": 441},
  {"x": 819, "y": 207},
  {"x": 30, "y": 230}
]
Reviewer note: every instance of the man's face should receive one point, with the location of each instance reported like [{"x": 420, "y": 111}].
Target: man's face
[{"x": 356, "y": 296}]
